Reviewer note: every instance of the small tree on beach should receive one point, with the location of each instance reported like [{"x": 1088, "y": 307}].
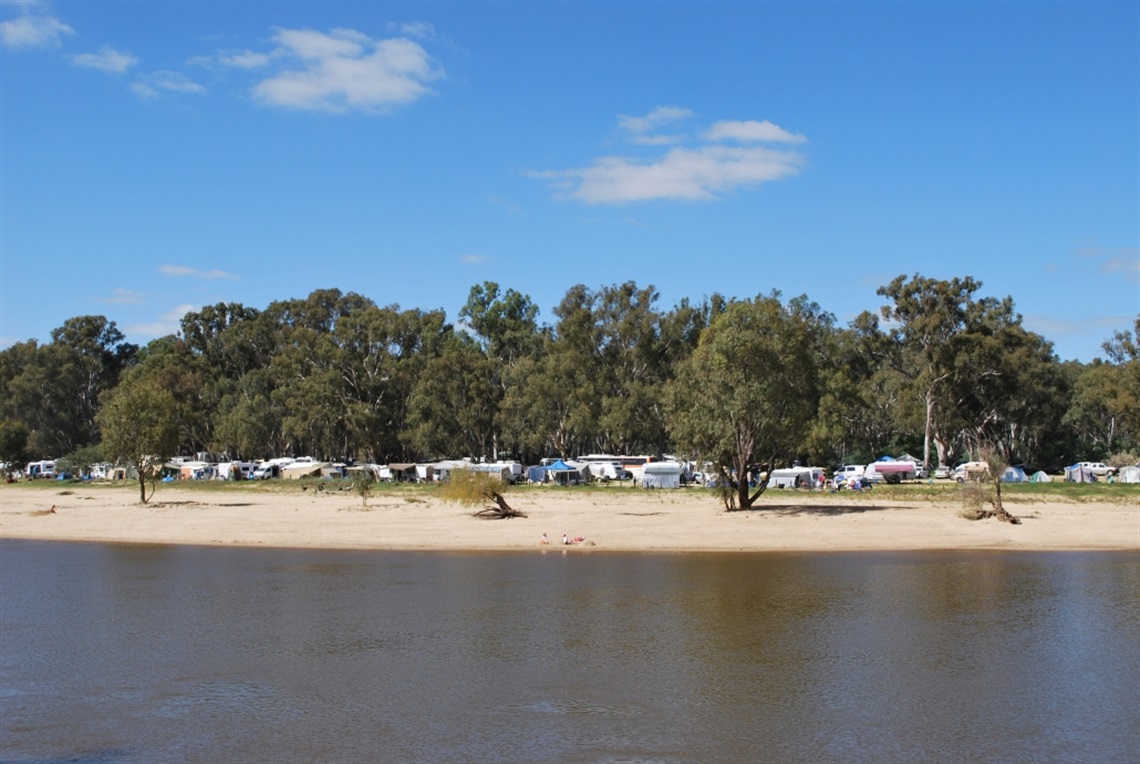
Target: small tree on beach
[
  {"x": 975, "y": 496},
  {"x": 363, "y": 481},
  {"x": 139, "y": 427},
  {"x": 472, "y": 488}
]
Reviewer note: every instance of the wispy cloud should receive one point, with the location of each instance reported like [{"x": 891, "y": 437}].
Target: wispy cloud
[
  {"x": 243, "y": 59},
  {"x": 167, "y": 323},
  {"x": 751, "y": 132},
  {"x": 125, "y": 297},
  {"x": 702, "y": 169},
  {"x": 1124, "y": 264},
  {"x": 158, "y": 83},
  {"x": 507, "y": 205},
  {"x": 106, "y": 60},
  {"x": 662, "y": 115},
  {"x": 183, "y": 271},
  {"x": 644, "y": 130},
  {"x": 345, "y": 71},
  {"x": 474, "y": 259},
  {"x": 1052, "y": 326},
  {"x": 1113, "y": 261},
  {"x": 419, "y": 29},
  {"x": 35, "y": 27}
]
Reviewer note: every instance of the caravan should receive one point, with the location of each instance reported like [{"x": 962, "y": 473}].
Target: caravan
[{"x": 44, "y": 469}]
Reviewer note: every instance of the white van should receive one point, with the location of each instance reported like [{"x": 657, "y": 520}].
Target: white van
[{"x": 44, "y": 469}]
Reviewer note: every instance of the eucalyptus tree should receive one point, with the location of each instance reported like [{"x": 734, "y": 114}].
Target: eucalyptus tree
[
  {"x": 504, "y": 324},
  {"x": 634, "y": 366},
  {"x": 343, "y": 370},
  {"x": 1107, "y": 399},
  {"x": 1008, "y": 390},
  {"x": 54, "y": 389},
  {"x": 454, "y": 403},
  {"x": 139, "y": 426},
  {"x": 1103, "y": 409},
  {"x": 13, "y": 445},
  {"x": 863, "y": 405},
  {"x": 746, "y": 397},
  {"x": 191, "y": 380},
  {"x": 552, "y": 402}
]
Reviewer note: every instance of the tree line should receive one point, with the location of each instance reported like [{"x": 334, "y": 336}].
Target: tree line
[{"x": 939, "y": 371}]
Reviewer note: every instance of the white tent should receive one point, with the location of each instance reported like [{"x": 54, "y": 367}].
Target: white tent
[
  {"x": 794, "y": 477},
  {"x": 1128, "y": 475},
  {"x": 662, "y": 475},
  {"x": 1040, "y": 477},
  {"x": 1079, "y": 474},
  {"x": 1014, "y": 475}
]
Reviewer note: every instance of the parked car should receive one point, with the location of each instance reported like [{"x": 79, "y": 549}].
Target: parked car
[
  {"x": 1100, "y": 469},
  {"x": 943, "y": 473}
]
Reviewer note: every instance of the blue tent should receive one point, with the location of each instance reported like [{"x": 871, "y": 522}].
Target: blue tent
[{"x": 562, "y": 473}]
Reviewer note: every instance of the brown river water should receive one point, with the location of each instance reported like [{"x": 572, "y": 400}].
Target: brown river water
[{"x": 141, "y": 653}]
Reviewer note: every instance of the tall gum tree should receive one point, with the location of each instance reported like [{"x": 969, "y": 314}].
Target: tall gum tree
[{"x": 746, "y": 397}]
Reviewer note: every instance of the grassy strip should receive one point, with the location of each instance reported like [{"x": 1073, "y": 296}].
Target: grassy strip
[{"x": 938, "y": 491}]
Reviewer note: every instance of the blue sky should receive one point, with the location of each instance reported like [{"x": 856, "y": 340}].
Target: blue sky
[{"x": 157, "y": 157}]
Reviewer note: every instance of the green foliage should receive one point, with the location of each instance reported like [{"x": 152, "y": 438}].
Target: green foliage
[
  {"x": 471, "y": 488},
  {"x": 746, "y": 397},
  {"x": 13, "y": 445},
  {"x": 363, "y": 483},
  {"x": 335, "y": 376},
  {"x": 140, "y": 427}
]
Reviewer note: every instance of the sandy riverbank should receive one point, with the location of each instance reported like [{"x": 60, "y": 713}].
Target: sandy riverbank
[{"x": 622, "y": 520}]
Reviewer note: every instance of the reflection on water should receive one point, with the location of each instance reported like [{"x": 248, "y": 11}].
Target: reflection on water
[{"x": 115, "y": 653}]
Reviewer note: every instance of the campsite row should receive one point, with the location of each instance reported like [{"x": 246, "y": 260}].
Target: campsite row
[{"x": 644, "y": 471}]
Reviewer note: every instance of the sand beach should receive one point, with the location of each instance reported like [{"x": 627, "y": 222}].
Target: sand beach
[{"x": 617, "y": 519}]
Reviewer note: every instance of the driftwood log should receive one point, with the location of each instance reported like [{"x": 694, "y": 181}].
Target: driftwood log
[{"x": 500, "y": 510}]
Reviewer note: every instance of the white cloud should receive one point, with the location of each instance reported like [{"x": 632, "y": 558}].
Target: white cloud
[
  {"x": 751, "y": 132},
  {"x": 34, "y": 29},
  {"x": 106, "y": 60},
  {"x": 700, "y": 170},
  {"x": 182, "y": 270},
  {"x": 125, "y": 297},
  {"x": 1053, "y": 326},
  {"x": 345, "y": 71},
  {"x": 660, "y": 116},
  {"x": 155, "y": 84},
  {"x": 246, "y": 59},
  {"x": 474, "y": 259},
  {"x": 1130, "y": 266},
  {"x": 420, "y": 29},
  {"x": 1113, "y": 260},
  {"x": 168, "y": 323}
]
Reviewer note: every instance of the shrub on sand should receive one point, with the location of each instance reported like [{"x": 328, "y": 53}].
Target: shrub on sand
[{"x": 472, "y": 489}]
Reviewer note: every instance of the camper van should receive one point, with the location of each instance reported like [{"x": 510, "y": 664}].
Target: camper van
[
  {"x": 44, "y": 469},
  {"x": 971, "y": 471}
]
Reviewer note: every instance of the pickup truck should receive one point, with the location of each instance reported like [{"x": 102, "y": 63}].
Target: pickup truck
[{"x": 1100, "y": 469}]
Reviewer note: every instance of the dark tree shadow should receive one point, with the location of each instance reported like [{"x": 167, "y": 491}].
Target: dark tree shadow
[{"x": 824, "y": 510}]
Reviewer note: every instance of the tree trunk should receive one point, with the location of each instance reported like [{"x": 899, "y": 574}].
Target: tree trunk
[
  {"x": 929, "y": 429},
  {"x": 999, "y": 509},
  {"x": 500, "y": 511}
]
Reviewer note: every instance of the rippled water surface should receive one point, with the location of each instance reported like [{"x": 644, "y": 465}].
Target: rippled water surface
[{"x": 115, "y": 653}]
